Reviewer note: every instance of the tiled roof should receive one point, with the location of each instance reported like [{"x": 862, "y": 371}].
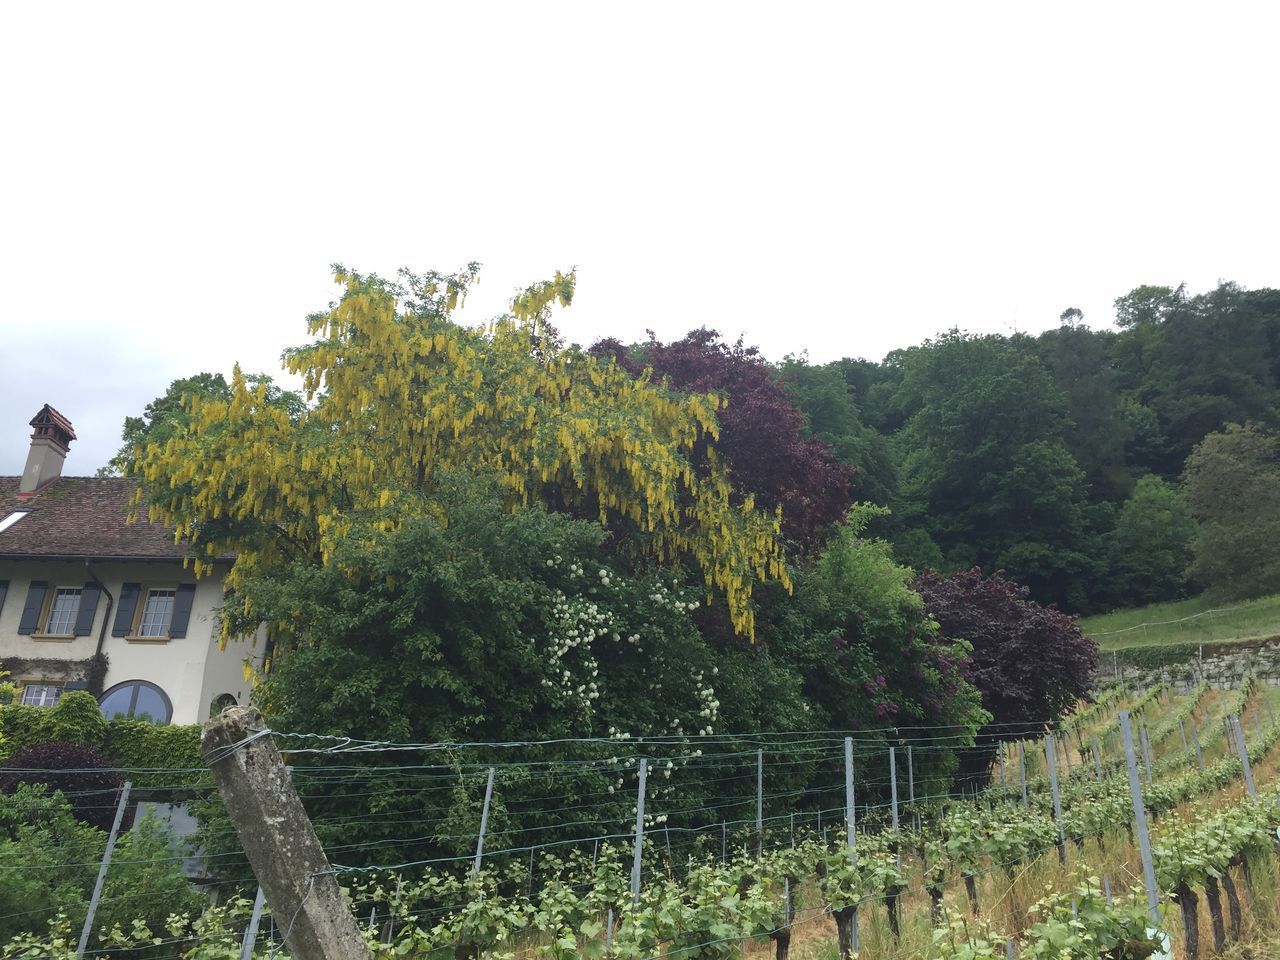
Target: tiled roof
[{"x": 81, "y": 517}]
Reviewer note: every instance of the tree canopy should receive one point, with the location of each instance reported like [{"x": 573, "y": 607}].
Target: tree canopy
[{"x": 398, "y": 393}]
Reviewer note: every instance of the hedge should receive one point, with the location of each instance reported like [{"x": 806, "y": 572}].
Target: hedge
[{"x": 134, "y": 745}]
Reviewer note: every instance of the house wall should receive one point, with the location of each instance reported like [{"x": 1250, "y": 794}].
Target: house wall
[{"x": 191, "y": 670}]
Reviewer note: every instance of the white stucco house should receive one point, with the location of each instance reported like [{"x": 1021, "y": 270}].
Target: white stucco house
[{"x": 82, "y": 586}]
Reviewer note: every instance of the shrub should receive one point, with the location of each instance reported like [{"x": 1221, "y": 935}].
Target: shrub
[
  {"x": 83, "y": 773},
  {"x": 76, "y": 718},
  {"x": 146, "y": 883},
  {"x": 37, "y": 828},
  {"x": 139, "y": 745}
]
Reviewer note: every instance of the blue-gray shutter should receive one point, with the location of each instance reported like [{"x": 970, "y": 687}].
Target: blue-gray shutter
[
  {"x": 124, "y": 610},
  {"x": 4, "y": 591},
  {"x": 182, "y": 599},
  {"x": 35, "y": 603},
  {"x": 88, "y": 609}
]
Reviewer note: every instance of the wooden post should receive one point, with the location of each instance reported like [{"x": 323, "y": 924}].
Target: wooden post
[{"x": 276, "y": 835}]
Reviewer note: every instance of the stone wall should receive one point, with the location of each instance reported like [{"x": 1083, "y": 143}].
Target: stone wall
[{"x": 1223, "y": 664}]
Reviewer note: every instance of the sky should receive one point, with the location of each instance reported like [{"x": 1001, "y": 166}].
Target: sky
[{"x": 837, "y": 179}]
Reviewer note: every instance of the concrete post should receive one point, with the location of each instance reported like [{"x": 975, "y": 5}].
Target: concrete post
[{"x": 276, "y": 835}]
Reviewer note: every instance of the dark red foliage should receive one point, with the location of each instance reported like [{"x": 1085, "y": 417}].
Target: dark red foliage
[
  {"x": 83, "y": 773},
  {"x": 1031, "y": 663},
  {"x": 761, "y": 437}
]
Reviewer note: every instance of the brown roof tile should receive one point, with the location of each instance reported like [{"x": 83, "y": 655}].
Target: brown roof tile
[{"x": 81, "y": 517}]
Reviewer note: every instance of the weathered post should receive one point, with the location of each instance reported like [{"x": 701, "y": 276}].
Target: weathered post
[{"x": 278, "y": 838}]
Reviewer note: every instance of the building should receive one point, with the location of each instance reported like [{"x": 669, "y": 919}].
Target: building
[{"x": 89, "y": 600}]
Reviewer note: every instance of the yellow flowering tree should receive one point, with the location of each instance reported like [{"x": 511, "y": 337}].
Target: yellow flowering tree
[{"x": 399, "y": 394}]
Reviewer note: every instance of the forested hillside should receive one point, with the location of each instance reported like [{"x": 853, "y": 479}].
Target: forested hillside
[{"x": 1101, "y": 468}]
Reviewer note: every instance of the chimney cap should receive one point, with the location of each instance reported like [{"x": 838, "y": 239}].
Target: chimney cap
[{"x": 51, "y": 425}]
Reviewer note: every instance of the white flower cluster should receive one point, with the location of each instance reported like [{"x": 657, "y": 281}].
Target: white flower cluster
[
  {"x": 576, "y": 622},
  {"x": 708, "y": 704},
  {"x": 672, "y": 599}
]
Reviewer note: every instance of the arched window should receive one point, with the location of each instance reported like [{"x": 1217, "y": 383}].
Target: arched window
[
  {"x": 136, "y": 698},
  {"x": 221, "y": 702}
]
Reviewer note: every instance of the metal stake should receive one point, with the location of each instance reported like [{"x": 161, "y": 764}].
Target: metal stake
[
  {"x": 484, "y": 823},
  {"x": 893, "y": 784},
  {"x": 102, "y": 871},
  {"x": 251, "y": 931},
  {"x": 1051, "y": 756},
  {"x": 1146, "y": 753},
  {"x": 1244, "y": 756},
  {"x": 851, "y": 821},
  {"x": 1022, "y": 765},
  {"x": 1140, "y": 819},
  {"x": 635, "y": 863},
  {"x": 911, "y": 777},
  {"x": 759, "y": 803}
]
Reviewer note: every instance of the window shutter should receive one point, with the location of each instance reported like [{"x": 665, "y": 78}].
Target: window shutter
[
  {"x": 89, "y": 594},
  {"x": 182, "y": 610},
  {"x": 31, "y": 611},
  {"x": 124, "y": 612},
  {"x": 4, "y": 590}
]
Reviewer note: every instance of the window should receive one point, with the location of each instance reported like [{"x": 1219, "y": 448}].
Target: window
[
  {"x": 136, "y": 698},
  {"x": 157, "y": 612},
  {"x": 62, "y": 612},
  {"x": 221, "y": 702},
  {"x": 154, "y": 612},
  {"x": 41, "y": 694}
]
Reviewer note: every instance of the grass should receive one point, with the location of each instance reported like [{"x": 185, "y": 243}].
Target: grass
[{"x": 1164, "y": 623}]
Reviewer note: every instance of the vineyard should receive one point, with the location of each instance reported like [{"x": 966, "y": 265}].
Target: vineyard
[{"x": 808, "y": 846}]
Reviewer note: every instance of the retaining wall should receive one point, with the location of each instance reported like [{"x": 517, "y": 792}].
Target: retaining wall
[{"x": 1184, "y": 665}]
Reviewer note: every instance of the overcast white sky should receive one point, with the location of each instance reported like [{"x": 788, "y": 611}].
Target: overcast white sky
[{"x": 175, "y": 179}]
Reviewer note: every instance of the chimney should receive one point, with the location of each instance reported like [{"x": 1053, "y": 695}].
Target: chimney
[{"x": 50, "y": 441}]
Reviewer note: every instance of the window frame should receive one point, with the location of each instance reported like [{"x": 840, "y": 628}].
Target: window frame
[
  {"x": 140, "y": 610},
  {"x": 45, "y": 685},
  {"x": 138, "y": 684},
  {"x": 46, "y": 611}
]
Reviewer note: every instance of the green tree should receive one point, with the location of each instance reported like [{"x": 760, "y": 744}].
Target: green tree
[
  {"x": 1152, "y": 544},
  {"x": 403, "y": 394},
  {"x": 163, "y": 416},
  {"x": 1232, "y": 485},
  {"x": 1145, "y": 305},
  {"x": 827, "y": 400},
  {"x": 1197, "y": 363},
  {"x": 984, "y": 467},
  {"x": 1097, "y": 432}
]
